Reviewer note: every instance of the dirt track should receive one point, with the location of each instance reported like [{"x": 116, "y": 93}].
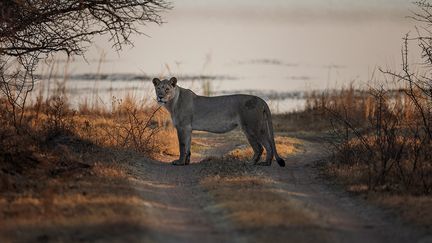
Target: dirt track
[
  {"x": 215, "y": 200},
  {"x": 183, "y": 210}
]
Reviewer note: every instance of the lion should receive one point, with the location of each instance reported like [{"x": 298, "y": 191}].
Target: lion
[{"x": 218, "y": 114}]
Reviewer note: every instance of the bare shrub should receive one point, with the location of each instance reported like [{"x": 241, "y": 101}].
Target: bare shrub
[
  {"x": 31, "y": 30},
  {"x": 135, "y": 131},
  {"x": 16, "y": 82},
  {"x": 128, "y": 125},
  {"x": 382, "y": 135},
  {"x": 59, "y": 117},
  {"x": 386, "y": 134},
  {"x": 34, "y": 30}
]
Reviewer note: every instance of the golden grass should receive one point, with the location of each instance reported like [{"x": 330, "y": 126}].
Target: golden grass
[
  {"x": 352, "y": 175},
  {"x": 250, "y": 199},
  {"x": 72, "y": 210},
  {"x": 69, "y": 171},
  {"x": 128, "y": 125},
  {"x": 284, "y": 145},
  {"x": 53, "y": 205},
  {"x": 252, "y": 203},
  {"x": 167, "y": 142},
  {"x": 416, "y": 209},
  {"x": 412, "y": 208},
  {"x": 111, "y": 170}
]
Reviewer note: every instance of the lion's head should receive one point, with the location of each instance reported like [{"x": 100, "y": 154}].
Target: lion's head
[{"x": 165, "y": 89}]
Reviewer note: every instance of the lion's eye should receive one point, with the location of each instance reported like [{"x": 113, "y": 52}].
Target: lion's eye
[{"x": 166, "y": 90}]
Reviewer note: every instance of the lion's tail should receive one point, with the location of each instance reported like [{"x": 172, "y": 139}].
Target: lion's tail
[{"x": 269, "y": 123}]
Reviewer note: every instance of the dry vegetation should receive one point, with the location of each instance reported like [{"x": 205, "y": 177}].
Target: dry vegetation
[
  {"x": 253, "y": 202},
  {"x": 49, "y": 151},
  {"x": 383, "y": 134},
  {"x": 86, "y": 200},
  {"x": 382, "y": 139},
  {"x": 50, "y": 130},
  {"x": 258, "y": 195},
  {"x": 55, "y": 160},
  {"x": 284, "y": 145},
  {"x": 69, "y": 167},
  {"x": 381, "y": 144}
]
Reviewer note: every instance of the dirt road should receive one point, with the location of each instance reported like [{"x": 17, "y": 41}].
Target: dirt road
[
  {"x": 220, "y": 199},
  {"x": 216, "y": 201}
]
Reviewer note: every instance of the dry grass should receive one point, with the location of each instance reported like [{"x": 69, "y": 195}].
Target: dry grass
[
  {"x": 250, "y": 209},
  {"x": 167, "y": 142},
  {"x": 58, "y": 140},
  {"x": 285, "y": 146},
  {"x": 83, "y": 188},
  {"x": 381, "y": 134},
  {"x": 381, "y": 147},
  {"x": 52, "y": 213},
  {"x": 413, "y": 209},
  {"x": 110, "y": 170},
  {"x": 64, "y": 169},
  {"x": 128, "y": 125}
]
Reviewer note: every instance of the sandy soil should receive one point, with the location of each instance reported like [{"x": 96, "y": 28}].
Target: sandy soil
[{"x": 215, "y": 200}]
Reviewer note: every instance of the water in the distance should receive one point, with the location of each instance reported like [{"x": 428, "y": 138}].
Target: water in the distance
[{"x": 252, "y": 46}]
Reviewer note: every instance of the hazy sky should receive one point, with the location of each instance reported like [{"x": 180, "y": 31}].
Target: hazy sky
[
  {"x": 286, "y": 44},
  {"x": 296, "y": 3}
]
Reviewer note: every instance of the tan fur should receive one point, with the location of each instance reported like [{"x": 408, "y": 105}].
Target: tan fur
[{"x": 219, "y": 114}]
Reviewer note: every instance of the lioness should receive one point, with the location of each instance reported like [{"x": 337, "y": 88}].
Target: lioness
[{"x": 218, "y": 114}]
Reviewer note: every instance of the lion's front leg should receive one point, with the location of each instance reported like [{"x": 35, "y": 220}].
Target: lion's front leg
[{"x": 184, "y": 138}]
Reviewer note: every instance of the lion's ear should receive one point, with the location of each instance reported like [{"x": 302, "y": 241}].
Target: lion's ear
[
  {"x": 156, "y": 81},
  {"x": 173, "y": 81}
]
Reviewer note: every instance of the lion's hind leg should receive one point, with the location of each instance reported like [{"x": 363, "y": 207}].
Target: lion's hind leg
[
  {"x": 269, "y": 154},
  {"x": 188, "y": 158},
  {"x": 265, "y": 140},
  {"x": 256, "y": 146}
]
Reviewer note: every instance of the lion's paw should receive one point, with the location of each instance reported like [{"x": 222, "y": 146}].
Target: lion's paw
[{"x": 178, "y": 162}]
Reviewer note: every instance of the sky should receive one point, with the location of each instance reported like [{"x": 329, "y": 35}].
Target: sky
[
  {"x": 295, "y": 3},
  {"x": 279, "y": 45}
]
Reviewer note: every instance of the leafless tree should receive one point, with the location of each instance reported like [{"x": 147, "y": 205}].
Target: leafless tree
[
  {"x": 32, "y": 29},
  {"x": 419, "y": 84}
]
